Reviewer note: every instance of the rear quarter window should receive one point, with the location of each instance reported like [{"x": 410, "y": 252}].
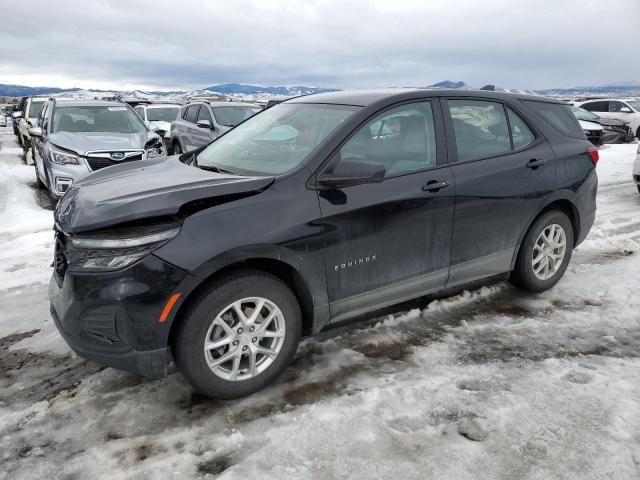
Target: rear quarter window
[{"x": 558, "y": 115}]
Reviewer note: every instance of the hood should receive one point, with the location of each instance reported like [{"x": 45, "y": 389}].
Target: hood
[
  {"x": 166, "y": 126},
  {"x": 589, "y": 125},
  {"x": 144, "y": 189},
  {"x": 610, "y": 122},
  {"x": 84, "y": 142}
]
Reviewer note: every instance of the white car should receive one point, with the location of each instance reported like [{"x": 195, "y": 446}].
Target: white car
[
  {"x": 27, "y": 121},
  {"x": 158, "y": 117},
  {"x": 627, "y": 110},
  {"x": 636, "y": 169}
]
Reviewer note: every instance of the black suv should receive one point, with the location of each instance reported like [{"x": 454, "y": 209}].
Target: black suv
[{"x": 318, "y": 209}]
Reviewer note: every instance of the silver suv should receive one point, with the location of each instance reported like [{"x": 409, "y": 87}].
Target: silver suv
[
  {"x": 200, "y": 122},
  {"x": 74, "y": 138}
]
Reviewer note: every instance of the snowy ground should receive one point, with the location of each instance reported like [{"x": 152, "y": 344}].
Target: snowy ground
[{"x": 490, "y": 384}]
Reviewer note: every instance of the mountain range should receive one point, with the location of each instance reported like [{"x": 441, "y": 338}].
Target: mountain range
[{"x": 255, "y": 92}]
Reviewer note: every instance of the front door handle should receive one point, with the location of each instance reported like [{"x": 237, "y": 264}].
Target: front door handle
[
  {"x": 535, "y": 163},
  {"x": 434, "y": 186}
]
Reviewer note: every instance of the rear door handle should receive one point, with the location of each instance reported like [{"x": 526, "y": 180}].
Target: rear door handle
[
  {"x": 535, "y": 163},
  {"x": 434, "y": 186}
]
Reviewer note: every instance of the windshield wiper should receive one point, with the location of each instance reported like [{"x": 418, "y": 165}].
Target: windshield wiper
[{"x": 210, "y": 168}]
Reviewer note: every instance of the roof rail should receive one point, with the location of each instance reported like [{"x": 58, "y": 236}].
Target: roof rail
[{"x": 196, "y": 99}]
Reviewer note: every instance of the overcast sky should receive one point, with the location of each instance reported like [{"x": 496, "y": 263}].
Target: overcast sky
[{"x": 179, "y": 44}]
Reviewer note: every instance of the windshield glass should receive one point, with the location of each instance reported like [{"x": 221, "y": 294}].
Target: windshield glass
[
  {"x": 162, "y": 114},
  {"x": 635, "y": 104},
  {"x": 582, "y": 114},
  {"x": 275, "y": 141},
  {"x": 35, "y": 109},
  {"x": 232, "y": 116},
  {"x": 115, "y": 119}
]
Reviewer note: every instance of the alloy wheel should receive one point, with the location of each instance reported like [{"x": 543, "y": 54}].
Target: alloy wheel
[
  {"x": 549, "y": 251},
  {"x": 244, "y": 339}
]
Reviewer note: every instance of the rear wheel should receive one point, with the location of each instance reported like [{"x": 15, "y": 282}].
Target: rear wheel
[
  {"x": 545, "y": 253},
  {"x": 638, "y": 187},
  {"x": 177, "y": 149},
  {"x": 239, "y": 335}
]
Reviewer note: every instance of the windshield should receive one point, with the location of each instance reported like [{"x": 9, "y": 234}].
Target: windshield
[
  {"x": 232, "y": 116},
  {"x": 582, "y": 114},
  {"x": 35, "y": 109},
  {"x": 275, "y": 141},
  {"x": 116, "y": 119},
  {"x": 635, "y": 104},
  {"x": 162, "y": 114}
]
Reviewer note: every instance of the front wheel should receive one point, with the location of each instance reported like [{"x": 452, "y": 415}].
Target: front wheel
[
  {"x": 239, "y": 335},
  {"x": 177, "y": 149},
  {"x": 545, "y": 253}
]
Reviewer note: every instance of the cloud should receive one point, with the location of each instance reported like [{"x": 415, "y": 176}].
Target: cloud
[{"x": 348, "y": 44}]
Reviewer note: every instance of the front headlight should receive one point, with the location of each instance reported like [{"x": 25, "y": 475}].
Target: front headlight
[
  {"x": 118, "y": 248},
  {"x": 155, "y": 150},
  {"x": 63, "y": 158}
]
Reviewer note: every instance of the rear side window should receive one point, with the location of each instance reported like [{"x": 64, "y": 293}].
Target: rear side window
[
  {"x": 558, "y": 115},
  {"x": 596, "y": 106},
  {"x": 520, "y": 132},
  {"x": 192, "y": 113},
  {"x": 480, "y": 128}
]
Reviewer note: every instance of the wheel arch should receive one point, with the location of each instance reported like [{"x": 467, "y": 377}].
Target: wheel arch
[
  {"x": 562, "y": 204},
  {"x": 277, "y": 267}
]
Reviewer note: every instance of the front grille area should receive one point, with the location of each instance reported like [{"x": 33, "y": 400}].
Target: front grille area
[
  {"x": 102, "y": 160},
  {"x": 60, "y": 258},
  {"x": 595, "y": 136}
]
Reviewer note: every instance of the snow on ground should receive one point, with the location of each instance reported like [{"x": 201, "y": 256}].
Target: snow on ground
[{"x": 489, "y": 384}]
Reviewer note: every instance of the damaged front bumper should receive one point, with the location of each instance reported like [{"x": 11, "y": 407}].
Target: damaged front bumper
[{"x": 112, "y": 318}]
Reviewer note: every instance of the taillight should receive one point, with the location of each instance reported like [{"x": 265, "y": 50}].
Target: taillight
[{"x": 593, "y": 154}]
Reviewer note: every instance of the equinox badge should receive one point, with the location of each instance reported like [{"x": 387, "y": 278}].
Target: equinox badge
[{"x": 354, "y": 262}]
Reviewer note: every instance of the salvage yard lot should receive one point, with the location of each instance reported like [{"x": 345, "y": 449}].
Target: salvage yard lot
[{"x": 492, "y": 383}]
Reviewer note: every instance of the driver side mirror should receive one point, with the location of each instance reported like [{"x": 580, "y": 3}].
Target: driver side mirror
[
  {"x": 35, "y": 132},
  {"x": 204, "y": 124},
  {"x": 352, "y": 172},
  {"x": 625, "y": 110}
]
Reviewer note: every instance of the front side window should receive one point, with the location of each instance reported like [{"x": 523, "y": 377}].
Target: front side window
[
  {"x": 140, "y": 112},
  {"x": 162, "y": 114},
  {"x": 480, "y": 128},
  {"x": 192, "y": 113},
  {"x": 232, "y": 116},
  {"x": 275, "y": 141},
  {"x": 112, "y": 119},
  {"x": 402, "y": 140},
  {"x": 34, "y": 109},
  {"x": 521, "y": 134},
  {"x": 204, "y": 114}
]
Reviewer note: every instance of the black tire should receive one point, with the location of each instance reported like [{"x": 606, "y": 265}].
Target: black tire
[
  {"x": 39, "y": 182},
  {"x": 188, "y": 345},
  {"x": 638, "y": 187},
  {"x": 523, "y": 275},
  {"x": 176, "y": 149}
]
